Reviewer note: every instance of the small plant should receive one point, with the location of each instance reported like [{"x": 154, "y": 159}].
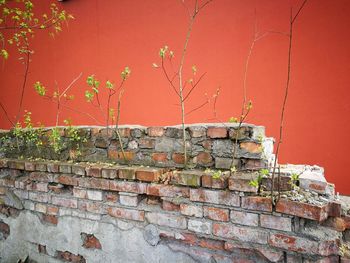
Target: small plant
[
  {"x": 110, "y": 113},
  {"x": 258, "y": 180},
  {"x": 294, "y": 180},
  {"x": 55, "y": 140},
  {"x": 74, "y": 138}
]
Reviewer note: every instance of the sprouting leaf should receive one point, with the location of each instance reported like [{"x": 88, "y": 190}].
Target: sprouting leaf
[
  {"x": 89, "y": 96},
  {"x": 264, "y": 172},
  {"x": 194, "y": 69},
  {"x": 39, "y": 88},
  {"x": 4, "y": 54},
  {"x": 109, "y": 85},
  {"x": 250, "y": 105},
  {"x": 233, "y": 120},
  {"x": 125, "y": 73}
]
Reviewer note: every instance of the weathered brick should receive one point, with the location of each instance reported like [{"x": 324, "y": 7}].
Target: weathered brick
[
  {"x": 147, "y": 143},
  {"x": 197, "y": 132},
  {"x": 94, "y": 171},
  {"x": 111, "y": 197},
  {"x": 241, "y": 182},
  {"x": 41, "y": 208},
  {"x": 214, "y": 197},
  {"x": 94, "y": 195},
  {"x": 215, "y": 213},
  {"x": 167, "y": 190},
  {"x": 92, "y": 207},
  {"x": 42, "y": 177},
  {"x": 148, "y": 174},
  {"x": 3, "y": 163},
  {"x": 110, "y": 173},
  {"x": 69, "y": 257},
  {"x": 203, "y": 158},
  {"x": 16, "y": 164},
  {"x": 155, "y": 131},
  {"x": 129, "y": 199},
  {"x": 251, "y": 147},
  {"x": 170, "y": 206},
  {"x": 199, "y": 226},
  {"x": 303, "y": 210},
  {"x": 29, "y": 166},
  {"x": 166, "y": 220},
  {"x": 39, "y": 197},
  {"x": 38, "y": 186},
  {"x": 283, "y": 183},
  {"x": 51, "y": 219},
  {"x": 22, "y": 182},
  {"x": 65, "y": 202},
  {"x": 178, "y": 158},
  {"x": 160, "y": 157},
  {"x": 116, "y": 155},
  {"x": 79, "y": 169},
  {"x": 53, "y": 167},
  {"x": 240, "y": 233},
  {"x": 68, "y": 179},
  {"x": 90, "y": 241},
  {"x": 56, "y": 188},
  {"x": 257, "y": 203},
  {"x": 293, "y": 243},
  {"x": 124, "y": 213},
  {"x": 224, "y": 163},
  {"x": 94, "y": 183},
  {"x": 313, "y": 181},
  {"x": 215, "y": 182},
  {"x": 131, "y": 187},
  {"x": 187, "y": 177},
  {"x": 276, "y": 222},
  {"x": 4, "y": 230},
  {"x": 244, "y": 218},
  {"x": 79, "y": 192},
  {"x": 41, "y": 167},
  {"x": 191, "y": 210},
  {"x": 217, "y": 132},
  {"x": 127, "y": 173},
  {"x": 52, "y": 210},
  {"x": 65, "y": 168}
]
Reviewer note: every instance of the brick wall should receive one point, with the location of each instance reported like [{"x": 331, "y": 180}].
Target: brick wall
[{"x": 85, "y": 212}]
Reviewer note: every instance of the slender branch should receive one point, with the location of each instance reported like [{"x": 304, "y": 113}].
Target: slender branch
[
  {"x": 71, "y": 84},
  {"x": 194, "y": 86},
  {"x": 280, "y": 140},
  {"x": 168, "y": 78},
  {"x": 197, "y": 108},
  {"x": 26, "y": 71},
  {"x": 6, "y": 114},
  {"x": 121, "y": 92}
]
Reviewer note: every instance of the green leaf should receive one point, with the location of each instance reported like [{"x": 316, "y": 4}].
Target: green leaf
[
  {"x": 39, "y": 88},
  {"x": 4, "y": 54},
  {"x": 109, "y": 85}
]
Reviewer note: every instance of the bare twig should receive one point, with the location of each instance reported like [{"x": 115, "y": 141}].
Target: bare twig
[
  {"x": 6, "y": 114},
  {"x": 280, "y": 140}
]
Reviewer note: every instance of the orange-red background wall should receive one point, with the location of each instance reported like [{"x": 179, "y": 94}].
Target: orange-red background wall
[{"x": 108, "y": 35}]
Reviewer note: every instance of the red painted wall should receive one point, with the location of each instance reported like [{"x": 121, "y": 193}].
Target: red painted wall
[{"x": 108, "y": 35}]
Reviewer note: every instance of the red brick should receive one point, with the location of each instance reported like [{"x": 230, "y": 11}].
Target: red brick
[
  {"x": 127, "y": 173},
  {"x": 39, "y": 197},
  {"x": 155, "y": 131},
  {"x": 216, "y": 183},
  {"x": 110, "y": 173},
  {"x": 217, "y": 132},
  {"x": 148, "y": 174},
  {"x": 124, "y": 213},
  {"x": 131, "y": 187},
  {"x": 56, "y": 188},
  {"x": 167, "y": 190},
  {"x": 240, "y": 233},
  {"x": 160, "y": 157},
  {"x": 40, "y": 187},
  {"x": 65, "y": 202},
  {"x": 51, "y": 219},
  {"x": 214, "y": 197},
  {"x": 253, "y": 164},
  {"x": 257, "y": 203},
  {"x": 53, "y": 167},
  {"x": 334, "y": 209},
  {"x": 191, "y": 210},
  {"x": 52, "y": 210},
  {"x": 94, "y": 183},
  {"x": 124, "y": 132},
  {"x": 204, "y": 158},
  {"x": 92, "y": 207},
  {"x": 116, "y": 155},
  {"x": 42, "y": 177},
  {"x": 251, "y": 147},
  {"x": 168, "y": 220},
  {"x": 4, "y": 229},
  {"x": 211, "y": 244},
  {"x": 29, "y": 166},
  {"x": 329, "y": 247},
  {"x": 15, "y": 164},
  {"x": 146, "y": 143},
  {"x": 111, "y": 197},
  {"x": 187, "y": 177},
  {"x": 309, "y": 211},
  {"x": 218, "y": 214},
  {"x": 93, "y": 171},
  {"x": 293, "y": 243},
  {"x": 68, "y": 179},
  {"x": 42, "y": 167},
  {"x": 69, "y": 257},
  {"x": 22, "y": 182},
  {"x": 241, "y": 182},
  {"x": 90, "y": 241},
  {"x": 65, "y": 168},
  {"x": 79, "y": 169},
  {"x": 79, "y": 193},
  {"x": 178, "y": 158},
  {"x": 283, "y": 185},
  {"x": 153, "y": 200},
  {"x": 170, "y": 206},
  {"x": 276, "y": 222}
]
